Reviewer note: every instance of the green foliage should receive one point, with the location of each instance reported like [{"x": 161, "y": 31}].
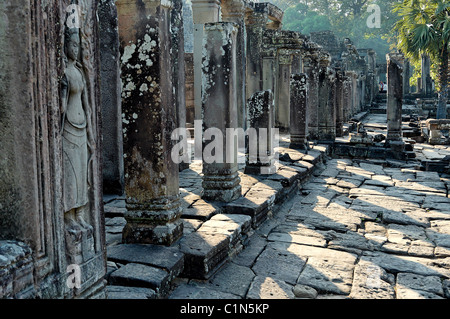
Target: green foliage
[
  {"x": 347, "y": 18},
  {"x": 423, "y": 27},
  {"x": 301, "y": 19}
]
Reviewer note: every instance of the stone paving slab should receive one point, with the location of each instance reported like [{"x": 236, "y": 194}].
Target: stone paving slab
[
  {"x": 167, "y": 258},
  {"x": 139, "y": 275},
  {"x": 387, "y": 237},
  {"x": 356, "y": 229}
]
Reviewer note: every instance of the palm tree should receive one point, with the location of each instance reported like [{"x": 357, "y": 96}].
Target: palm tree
[{"x": 424, "y": 28}]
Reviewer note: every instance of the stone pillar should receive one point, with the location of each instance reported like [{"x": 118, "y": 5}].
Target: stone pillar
[
  {"x": 426, "y": 75},
  {"x": 394, "y": 96},
  {"x": 178, "y": 72},
  {"x": 406, "y": 77},
  {"x": 189, "y": 88},
  {"x": 327, "y": 112},
  {"x": 282, "y": 95},
  {"x": 112, "y": 147},
  {"x": 255, "y": 24},
  {"x": 269, "y": 59},
  {"x": 204, "y": 11},
  {"x": 260, "y": 150},
  {"x": 149, "y": 117},
  {"x": 234, "y": 11},
  {"x": 220, "y": 168},
  {"x": 298, "y": 109},
  {"x": 354, "y": 109},
  {"x": 296, "y": 66},
  {"x": 311, "y": 70},
  {"x": 339, "y": 101}
]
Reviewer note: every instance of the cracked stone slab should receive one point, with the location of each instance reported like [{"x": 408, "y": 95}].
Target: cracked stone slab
[
  {"x": 269, "y": 288},
  {"x": 168, "y": 258},
  {"x": 122, "y": 292},
  {"x": 138, "y": 275},
  {"x": 327, "y": 275},
  {"x": 370, "y": 281},
  {"x": 399, "y": 263},
  {"x": 431, "y": 284},
  {"x": 204, "y": 253},
  {"x": 233, "y": 278},
  {"x": 279, "y": 264},
  {"x": 191, "y": 291}
]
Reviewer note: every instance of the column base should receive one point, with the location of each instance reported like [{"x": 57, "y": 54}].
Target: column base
[
  {"x": 222, "y": 188},
  {"x": 142, "y": 233},
  {"x": 260, "y": 169},
  {"x": 157, "y": 222}
]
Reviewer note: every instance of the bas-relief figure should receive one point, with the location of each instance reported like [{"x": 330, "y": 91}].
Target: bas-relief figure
[{"x": 77, "y": 141}]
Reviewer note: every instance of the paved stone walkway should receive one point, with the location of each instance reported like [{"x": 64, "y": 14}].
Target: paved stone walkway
[{"x": 356, "y": 230}]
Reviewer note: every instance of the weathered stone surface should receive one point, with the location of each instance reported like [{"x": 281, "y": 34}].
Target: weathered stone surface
[
  {"x": 192, "y": 291},
  {"x": 431, "y": 284},
  {"x": 149, "y": 118},
  {"x": 201, "y": 210},
  {"x": 279, "y": 264},
  {"x": 394, "y": 96},
  {"x": 219, "y": 109},
  {"x": 260, "y": 118},
  {"x": 269, "y": 288},
  {"x": 112, "y": 146},
  {"x": 372, "y": 282},
  {"x": 168, "y": 258},
  {"x": 139, "y": 275},
  {"x": 302, "y": 291},
  {"x": 204, "y": 252},
  {"x": 121, "y": 292},
  {"x": 415, "y": 265},
  {"x": 298, "y": 112},
  {"x": 233, "y": 278},
  {"x": 326, "y": 276}
]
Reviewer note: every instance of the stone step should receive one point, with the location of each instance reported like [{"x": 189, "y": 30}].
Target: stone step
[
  {"x": 139, "y": 275},
  {"x": 149, "y": 266},
  {"x": 207, "y": 249},
  {"x": 122, "y": 292}
]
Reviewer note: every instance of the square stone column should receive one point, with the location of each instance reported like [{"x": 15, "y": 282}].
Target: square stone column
[
  {"x": 234, "y": 11},
  {"x": 149, "y": 118},
  {"x": 204, "y": 11},
  {"x": 394, "y": 96},
  {"x": 327, "y": 112},
  {"x": 282, "y": 95},
  {"x": 112, "y": 146},
  {"x": 260, "y": 150},
  {"x": 219, "y": 107},
  {"x": 339, "y": 101},
  {"x": 406, "y": 78},
  {"x": 255, "y": 23},
  {"x": 325, "y": 102},
  {"x": 179, "y": 72},
  {"x": 426, "y": 75},
  {"x": 298, "y": 127},
  {"x": 311, "y": 69},
  {"x": 355, "y": 103},
  {"x": 347, "y": 97}
]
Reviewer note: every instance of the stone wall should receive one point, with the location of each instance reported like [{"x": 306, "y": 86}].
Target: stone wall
[{"x": 42, "y": 230}]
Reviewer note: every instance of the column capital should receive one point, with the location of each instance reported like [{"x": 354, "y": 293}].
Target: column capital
[
  {"x": 204, "y": 11},
  {"x": 284, "y": 56},
  {"x": 233, "y": 10},
  {"x": 395, "y": 57}
]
